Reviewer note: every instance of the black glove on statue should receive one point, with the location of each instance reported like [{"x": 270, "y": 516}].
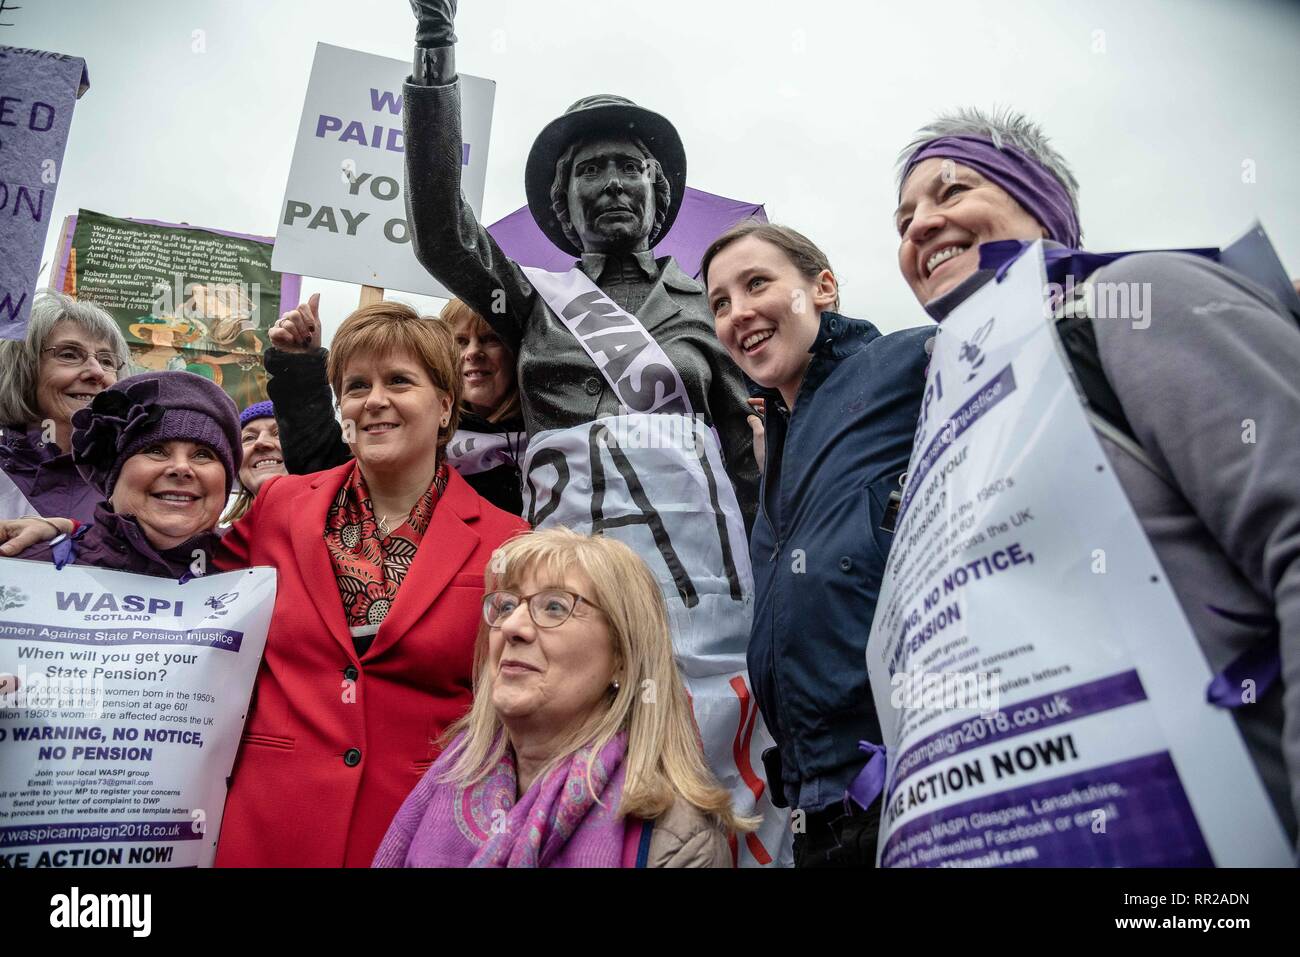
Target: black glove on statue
[{"x": 434, "y": 22}]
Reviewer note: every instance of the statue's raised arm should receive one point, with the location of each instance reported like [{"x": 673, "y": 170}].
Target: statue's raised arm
[
  {"x": 636, "y": 415},
  {"x": 435, "y": 24},
  {"x": 445, "y": 234}
]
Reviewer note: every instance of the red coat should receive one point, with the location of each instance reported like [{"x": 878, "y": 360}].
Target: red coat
[{"x": 325, "y": 763}]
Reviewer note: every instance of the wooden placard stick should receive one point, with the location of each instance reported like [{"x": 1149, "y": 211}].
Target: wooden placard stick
[{"x": 370, "y": 294}]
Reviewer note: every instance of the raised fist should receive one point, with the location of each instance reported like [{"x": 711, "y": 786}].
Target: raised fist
[
  {"x": 434, "y": 22},
  {"x": 298, "y": 330}
]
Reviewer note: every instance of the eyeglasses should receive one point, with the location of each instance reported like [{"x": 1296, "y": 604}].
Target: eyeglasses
[
  {"x": 74, "y": 355},
  {"x": 548, "y": 609}
]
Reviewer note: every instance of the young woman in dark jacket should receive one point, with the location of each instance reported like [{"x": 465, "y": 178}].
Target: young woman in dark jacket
[
  {"x": 487, "y": 449},
  {"x": 841, "y": 407}
]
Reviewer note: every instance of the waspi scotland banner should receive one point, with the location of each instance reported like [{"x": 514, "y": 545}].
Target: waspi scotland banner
[{"x": 130, "y": 698}]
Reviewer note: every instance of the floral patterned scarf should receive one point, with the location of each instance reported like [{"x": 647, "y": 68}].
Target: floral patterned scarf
[{"x": 369, "y": 565}]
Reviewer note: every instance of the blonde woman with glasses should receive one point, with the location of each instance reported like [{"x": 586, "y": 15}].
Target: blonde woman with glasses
[{"x": 579, "y": 750}]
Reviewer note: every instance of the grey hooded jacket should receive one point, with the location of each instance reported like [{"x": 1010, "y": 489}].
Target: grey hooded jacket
[
  {"x": 1209, "y": 382},
  {"x": 1195, "y": 398}
]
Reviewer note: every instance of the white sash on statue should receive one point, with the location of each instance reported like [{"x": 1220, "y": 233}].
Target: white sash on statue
[{"x": 632, "y": 362}]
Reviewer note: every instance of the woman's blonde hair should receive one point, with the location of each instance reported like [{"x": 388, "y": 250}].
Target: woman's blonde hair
[
  {"x": 385, "y": 327},
  {"x": 454, "y": 314},
  {"x": 238, "y": 508},
  {"x": 664, "y": 757}
]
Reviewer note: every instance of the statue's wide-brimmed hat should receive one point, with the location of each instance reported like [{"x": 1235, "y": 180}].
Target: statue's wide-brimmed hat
[{"x": 597, "y": 115}]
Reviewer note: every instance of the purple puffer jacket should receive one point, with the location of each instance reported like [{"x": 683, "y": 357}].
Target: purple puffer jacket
[
  {"x": 117, "y": 542},
  {"x": 46, "y": 476}
]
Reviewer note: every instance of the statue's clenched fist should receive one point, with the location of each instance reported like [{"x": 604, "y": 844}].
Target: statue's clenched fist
[{"x": 434, "y": 22}]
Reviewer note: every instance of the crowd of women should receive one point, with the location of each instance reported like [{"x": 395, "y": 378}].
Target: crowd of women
[{"x": 472, "y": 693}]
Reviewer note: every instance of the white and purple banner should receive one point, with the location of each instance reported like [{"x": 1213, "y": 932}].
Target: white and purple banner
[
  {"x": 470, "y": 453},
  {"x": 344, "y": 211},
  {"x": 123, "y": 700},
  {"x": 1042, "y": 696}
]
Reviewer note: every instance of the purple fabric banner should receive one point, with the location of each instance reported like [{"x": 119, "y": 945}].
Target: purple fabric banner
[
  {"x": 703, "y": 217},
  {"x": 37, "y": 93}
]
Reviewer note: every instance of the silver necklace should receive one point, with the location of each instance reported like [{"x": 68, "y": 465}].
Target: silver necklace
[{"x": 383, "y": 523}]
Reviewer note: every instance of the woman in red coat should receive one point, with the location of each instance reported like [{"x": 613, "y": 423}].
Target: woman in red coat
[{"x": 380, "y": 564}]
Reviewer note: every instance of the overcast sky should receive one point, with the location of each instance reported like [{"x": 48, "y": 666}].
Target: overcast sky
[{"x": 801, "y": 106}]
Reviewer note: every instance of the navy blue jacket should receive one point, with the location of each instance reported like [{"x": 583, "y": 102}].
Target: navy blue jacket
[{"x": 819, "y": 551}]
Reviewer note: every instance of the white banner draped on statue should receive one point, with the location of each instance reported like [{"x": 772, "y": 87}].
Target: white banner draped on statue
[
  {"x": 653, "y": 477},
  {"x": 470, "y": 453},
  {"x": 656, "y": 482},
  {"x": 630, "y": 359},
  {"x": 1042, "y": 696},
  {"x": 131, "y": 697}
]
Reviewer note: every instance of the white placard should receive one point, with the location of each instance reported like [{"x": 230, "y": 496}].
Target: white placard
[
  {"x": 132, "y": 693},
  {"x": 344, "y": 210},
  {"x": 1020, "y": 583}
]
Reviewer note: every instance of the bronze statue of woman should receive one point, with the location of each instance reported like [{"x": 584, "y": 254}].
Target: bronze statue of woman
[{"x": 636, "y": 415}]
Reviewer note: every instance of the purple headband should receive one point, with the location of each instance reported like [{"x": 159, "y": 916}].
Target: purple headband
[
  {"x": 258, "y": 410},
  {"x": 1031, "y": 184}
]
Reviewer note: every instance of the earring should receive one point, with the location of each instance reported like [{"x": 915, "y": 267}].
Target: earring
[{"x": 614, "y": 684}]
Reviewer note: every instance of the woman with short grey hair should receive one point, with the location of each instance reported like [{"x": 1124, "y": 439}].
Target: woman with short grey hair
[
  {"x": 72, "y": 352},
  {"x": 1173, "y": 391}
]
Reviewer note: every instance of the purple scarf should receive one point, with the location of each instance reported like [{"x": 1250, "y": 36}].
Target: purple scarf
[
  {"x": 557, "y": 823},
  {"x": 1030, "y": 182}
]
